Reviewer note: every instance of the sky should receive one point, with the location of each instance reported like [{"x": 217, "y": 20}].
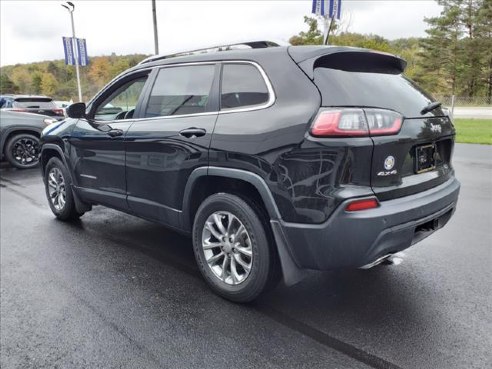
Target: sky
[{"x": 32, "y": 31}]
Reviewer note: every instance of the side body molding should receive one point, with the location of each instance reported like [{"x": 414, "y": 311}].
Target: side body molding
[{"x": 292, "y": 274}]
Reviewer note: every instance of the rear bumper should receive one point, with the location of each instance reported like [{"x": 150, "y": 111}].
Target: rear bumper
[{"x": 355, "y": 239}]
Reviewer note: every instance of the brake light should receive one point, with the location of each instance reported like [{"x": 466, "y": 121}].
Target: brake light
[
  {"x": 364, "y": 204},
  {"x": 349, "y": 122},
  {"x": 340, "y": 123},
  {"x": 58, "y": 111},
  {"x": 21, "y": 110}
]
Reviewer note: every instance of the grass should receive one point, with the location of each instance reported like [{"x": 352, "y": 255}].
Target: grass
[{"x": 477, "y": 131}]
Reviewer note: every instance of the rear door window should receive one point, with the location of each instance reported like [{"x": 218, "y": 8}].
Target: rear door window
[
  {"x": 181, "y": 90},
  {"x": 242, "y": 86}
]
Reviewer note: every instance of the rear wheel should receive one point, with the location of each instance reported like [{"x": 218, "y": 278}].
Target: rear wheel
[
  {"x": 232, "y": 247},
  {"x": 22, "y": 151},
  {"x": 59, "y": 190}
]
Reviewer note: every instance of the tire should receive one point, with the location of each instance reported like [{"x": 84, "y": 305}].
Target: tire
[
  {"x": 22, "y": 151},
  {"x": 255, "y": 240},
  {"x": 57, "y": 178}
]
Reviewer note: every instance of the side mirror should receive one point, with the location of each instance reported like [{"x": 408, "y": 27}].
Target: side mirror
[{"x": 76, "y": 110}]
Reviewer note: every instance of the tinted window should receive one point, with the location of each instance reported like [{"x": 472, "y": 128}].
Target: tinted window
[
  {"x": 181, "y": 90},
  {"x": 388, "y": 91},
  {"x": 122, "y": 102},
  {"x": 242, "y": 85},
  {"x": 36, "y": 103}
]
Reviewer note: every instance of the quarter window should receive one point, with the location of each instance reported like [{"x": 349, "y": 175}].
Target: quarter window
[
  {"x": 242, "y": 85},
  {"x": 181, "y": 90}
]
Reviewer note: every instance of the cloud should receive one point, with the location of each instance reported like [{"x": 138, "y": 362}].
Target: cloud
[{"x": 32, "y": 30}]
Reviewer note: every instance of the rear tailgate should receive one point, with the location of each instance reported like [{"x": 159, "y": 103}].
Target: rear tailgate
[{"x": 415, "y": 158}]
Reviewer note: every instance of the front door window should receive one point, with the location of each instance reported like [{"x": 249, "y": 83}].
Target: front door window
[{"x": 122, "y": 102}]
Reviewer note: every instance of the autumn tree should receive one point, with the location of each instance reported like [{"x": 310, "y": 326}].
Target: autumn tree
[{"x": 48, "y": 84}]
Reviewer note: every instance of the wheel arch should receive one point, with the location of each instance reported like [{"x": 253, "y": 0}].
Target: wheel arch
[
  {"x": 9, "y": 133},
  {"x": 48, "y": 151},
  {"x": 194, "y": 193},
  {"x": 227, "y": 177}
]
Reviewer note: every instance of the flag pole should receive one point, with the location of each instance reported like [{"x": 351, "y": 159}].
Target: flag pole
[{"x": 327, "y": 32}]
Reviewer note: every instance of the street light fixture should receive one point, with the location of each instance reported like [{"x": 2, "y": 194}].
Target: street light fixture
[{"x": 71, "y": 7}]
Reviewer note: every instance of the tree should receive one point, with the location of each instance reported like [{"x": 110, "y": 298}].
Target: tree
[
  {"x": 312, "y": 37},
  {"x": 48, "y": 84},
  {"x": 456, "y": 53},
  {"x": 7, "y": 86},
  {"x": 99, "y": 71}
]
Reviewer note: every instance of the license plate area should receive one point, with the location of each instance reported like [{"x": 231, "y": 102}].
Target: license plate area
[{"x": 425, "y": 158}]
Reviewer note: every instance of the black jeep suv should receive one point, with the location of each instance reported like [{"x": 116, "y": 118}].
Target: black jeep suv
[{"x": 274, "y": 159}]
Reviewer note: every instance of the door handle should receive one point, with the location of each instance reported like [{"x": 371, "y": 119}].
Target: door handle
[
  {"x": 193, "y": 132},
  {"x": 115, "y": 132}
]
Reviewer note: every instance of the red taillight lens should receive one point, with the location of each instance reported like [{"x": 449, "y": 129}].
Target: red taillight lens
[
  {"x": 383, "y": 122},
  {"x": 58, "y": 111},
  {"x": 347, "y": 122},
  {"x": 340, "y": 123},
  {"x": 364, "y": 204}
]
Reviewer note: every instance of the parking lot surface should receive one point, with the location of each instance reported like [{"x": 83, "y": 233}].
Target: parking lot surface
[{"x": 114, "y": 291}]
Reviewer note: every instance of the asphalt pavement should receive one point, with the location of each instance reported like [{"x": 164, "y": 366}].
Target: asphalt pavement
[
  {"x": 114, "y": 291},
  {"x": 474, "y": 112}
]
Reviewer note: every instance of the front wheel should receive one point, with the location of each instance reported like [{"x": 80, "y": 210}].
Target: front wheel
[
  {"x": 232, "y": 247},
  {"x": 59, "y": 190}
]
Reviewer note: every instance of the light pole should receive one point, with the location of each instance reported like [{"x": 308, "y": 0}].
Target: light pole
[
  {"x": 156, "y": 37},
  {"x": 70, "y": 7}
]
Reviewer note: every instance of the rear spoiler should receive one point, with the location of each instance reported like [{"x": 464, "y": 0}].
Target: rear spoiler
[{"x": 349, "y": 59}]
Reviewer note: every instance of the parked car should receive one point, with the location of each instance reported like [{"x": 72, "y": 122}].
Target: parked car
[
  {"x": 32, "y": 104},
  {"x": 274, "y": 160},
  {"x": 63, "y": 105},
  {"x": 19, "y": 137}
]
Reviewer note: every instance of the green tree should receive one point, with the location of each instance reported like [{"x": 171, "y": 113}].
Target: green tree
[
  {"x": 48, "y": 84},
  {"x": 312, "y": 37},
  {"x": 455, "y": 55},
  {"x": 7, "y": 86}
]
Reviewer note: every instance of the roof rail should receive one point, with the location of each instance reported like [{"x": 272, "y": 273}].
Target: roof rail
[{"x": 212, "y": 49}]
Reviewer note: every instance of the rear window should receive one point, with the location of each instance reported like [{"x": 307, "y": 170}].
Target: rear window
[
  {"x": 381, "y": 90},
  {"x": 36, "y": 103}
]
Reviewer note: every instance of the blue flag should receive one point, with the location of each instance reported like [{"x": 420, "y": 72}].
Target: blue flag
[
  {"x": 331, "y": 8},
  {"x": 82, "y": 51},
  {"x": 68, "y": 48},
  {"x": 335, "y": 8}
]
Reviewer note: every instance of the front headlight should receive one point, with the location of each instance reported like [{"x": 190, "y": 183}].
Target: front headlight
[{"x": 49, "y": 121}]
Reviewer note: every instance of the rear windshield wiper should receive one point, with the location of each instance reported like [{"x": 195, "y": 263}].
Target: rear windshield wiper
[{"x": 430, "y": 107}]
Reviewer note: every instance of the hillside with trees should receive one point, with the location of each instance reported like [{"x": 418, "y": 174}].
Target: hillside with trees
[{"x": 55, "y": 79}]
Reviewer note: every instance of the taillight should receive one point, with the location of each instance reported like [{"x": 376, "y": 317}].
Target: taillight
[
  {"x": 17, "y": 109},
  {"x": 58, "y": 112},
  {"x": 349, "y": 122},
  {"x": 364, "y": 204}
]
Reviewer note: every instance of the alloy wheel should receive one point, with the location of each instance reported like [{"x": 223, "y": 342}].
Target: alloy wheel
[
  {"x": 56, "y": 188},
  {"x": 25, "y": 151},
  {"x": 227, "y": 247}
]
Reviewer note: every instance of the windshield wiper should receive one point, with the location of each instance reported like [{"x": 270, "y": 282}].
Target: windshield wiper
[{"x": 430, "y": 107}]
